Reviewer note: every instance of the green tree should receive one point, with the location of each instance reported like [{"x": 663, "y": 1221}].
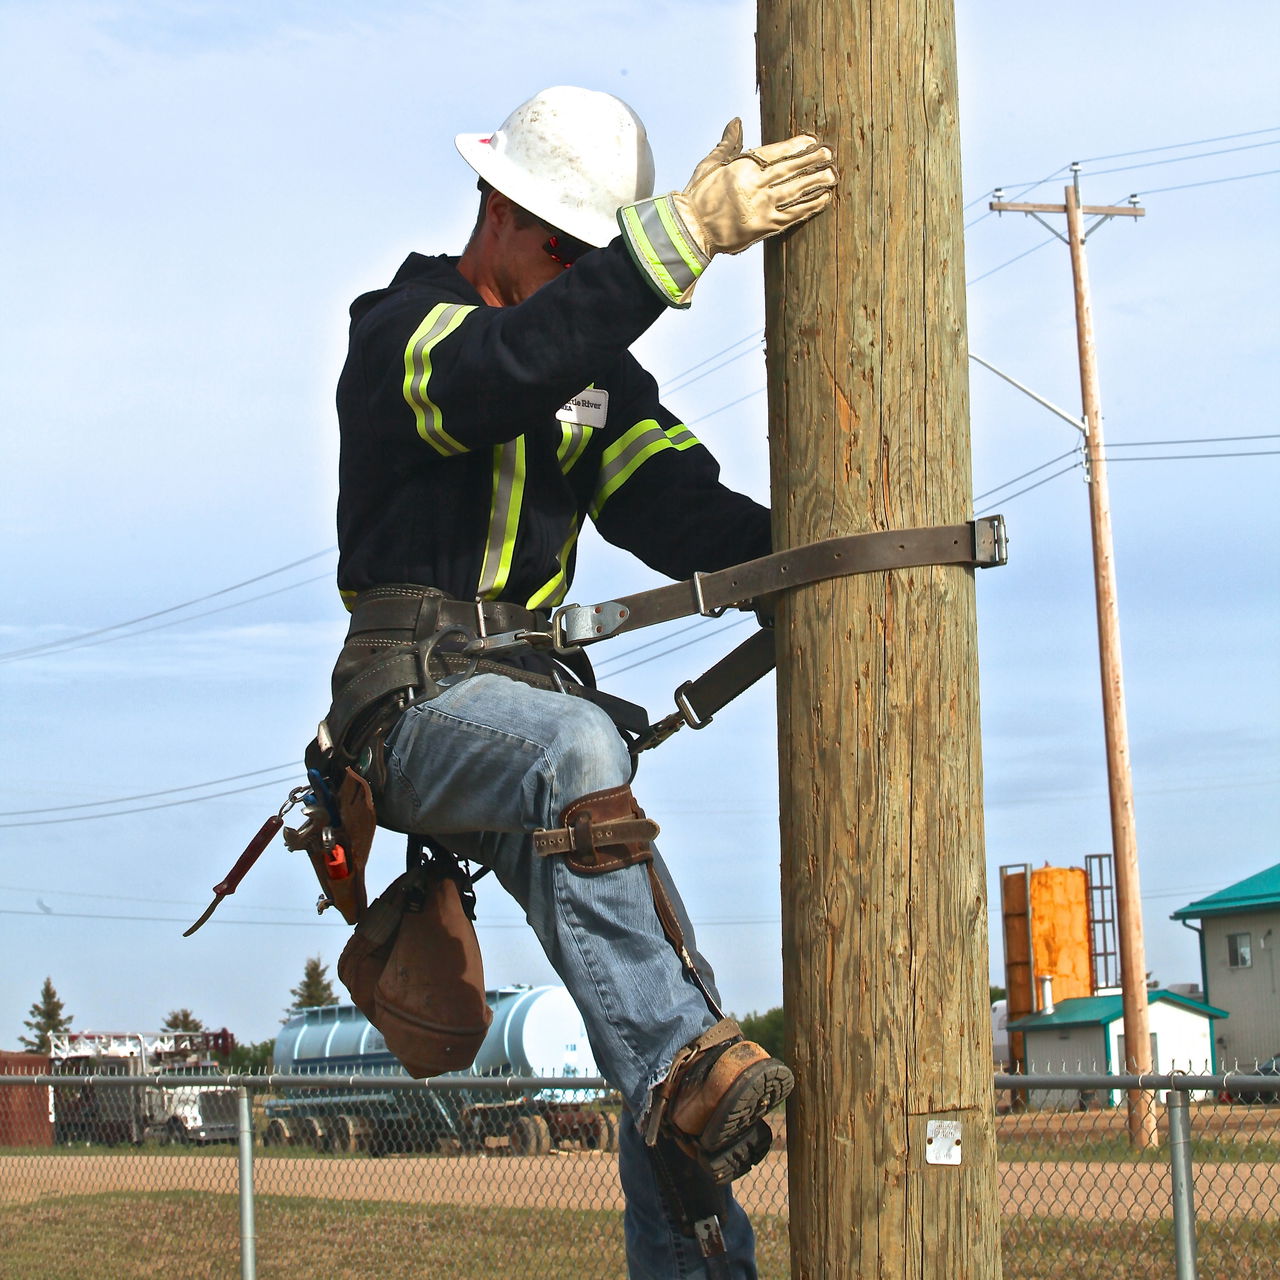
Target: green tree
[
  {"x": 768, "y": 1030},
  {"x": 314, "y": 991},
  {"x": 997, "y": 993},
  {"x": 251, "y": 1057},
  {"x": 182, "y": 1020},
  {"x": 46, "y": 1017}
]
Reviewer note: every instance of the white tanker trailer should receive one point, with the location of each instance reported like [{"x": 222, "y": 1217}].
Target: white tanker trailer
[{"x": 536, "y": 1031}]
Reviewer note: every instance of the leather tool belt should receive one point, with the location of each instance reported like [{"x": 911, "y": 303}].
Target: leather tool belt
[{"x": 406, "y": 643}]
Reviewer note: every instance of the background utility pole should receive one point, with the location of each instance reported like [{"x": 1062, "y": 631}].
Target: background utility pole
[
  {"x": 884, "y": 904},
  {"x": 1124, "y": 836}
]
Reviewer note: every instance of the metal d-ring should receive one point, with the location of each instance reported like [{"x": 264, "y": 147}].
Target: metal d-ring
[{"x": 430, "y": 683}]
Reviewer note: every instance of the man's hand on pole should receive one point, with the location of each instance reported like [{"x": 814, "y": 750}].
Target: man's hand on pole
[{"x": 734, "y": 199}]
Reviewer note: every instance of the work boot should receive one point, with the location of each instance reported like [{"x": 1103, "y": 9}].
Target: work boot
[{"x": 716, "y": 1096}]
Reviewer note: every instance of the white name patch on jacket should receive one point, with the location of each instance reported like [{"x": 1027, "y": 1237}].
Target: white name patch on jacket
[{"x": 588, "y": 408}]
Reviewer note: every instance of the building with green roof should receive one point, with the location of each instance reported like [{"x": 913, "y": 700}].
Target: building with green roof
[
  {"x": 1239, "y": 935},
  {"x": 1086, "y": 1034}
]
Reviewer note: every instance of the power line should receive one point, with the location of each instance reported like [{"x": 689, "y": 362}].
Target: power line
[
  {"x": 126, "y": 897},
  {"x": 177, "y": 622},
  {"x": 677, "y": 382},
  {"x": 648, "y": 644},
  {"x": 1186, "y": 186},
  {"x": 481, "y": 922},
  {"x": 1122, "y": 155},
  {"x": 1200, "y": 155},
  {"x": 1211, "y": 182},
  {"x": 617, "y": 671},
  {"x": 67, "y": 641},
  {"x": 751, "y": 395},
  {"x": 1183, "y": 457},
  {"x": 120, "y": 813},
  {"x": 1177, "y": 146},
  {"x": 1024, "y": 188},
  {"x": 1025, "y": 474},
  {"x": 148, "y": 795},
  {"x": 1010, "y": 497},
  {"x": 1134, "y": 444},
  {"x": 708, "y": 372},
  {"x": 222, "y": 920},
  {"x": 1011, "y": 261}
]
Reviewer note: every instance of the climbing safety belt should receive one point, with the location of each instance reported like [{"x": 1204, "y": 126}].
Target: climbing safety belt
[{"x": 752, "y": 586}]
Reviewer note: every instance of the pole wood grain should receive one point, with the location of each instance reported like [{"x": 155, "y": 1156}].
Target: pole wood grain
[{"x": 884, "y": 904}]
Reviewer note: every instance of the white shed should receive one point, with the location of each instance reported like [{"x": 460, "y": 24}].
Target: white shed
[{"x": 1086, "y": 1035}]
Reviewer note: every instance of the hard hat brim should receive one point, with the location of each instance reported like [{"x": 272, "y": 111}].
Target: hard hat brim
[{"x": 581, "y": 223}]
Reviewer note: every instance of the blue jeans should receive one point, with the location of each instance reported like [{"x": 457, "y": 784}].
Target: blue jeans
[{"x": 485, "y": 764}]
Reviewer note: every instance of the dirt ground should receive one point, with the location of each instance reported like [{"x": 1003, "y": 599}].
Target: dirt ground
[{"x": 1097, "y": 1190}]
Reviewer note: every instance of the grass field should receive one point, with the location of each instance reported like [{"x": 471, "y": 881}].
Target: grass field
[{"x": 127, "y": 1236}]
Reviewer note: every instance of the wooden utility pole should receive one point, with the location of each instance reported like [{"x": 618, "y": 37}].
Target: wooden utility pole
[
  {"x": 892, "y": 1159},
  {"x": 1124, "y": 835}
]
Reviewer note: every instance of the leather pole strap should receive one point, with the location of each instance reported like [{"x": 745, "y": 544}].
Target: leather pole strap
[{"x": 977, "y": 543}]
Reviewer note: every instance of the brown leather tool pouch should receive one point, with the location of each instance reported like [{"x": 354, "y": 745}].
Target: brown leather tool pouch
[
  {"x": 413, "y": 969},
  {"x": 338, "y": 854}
]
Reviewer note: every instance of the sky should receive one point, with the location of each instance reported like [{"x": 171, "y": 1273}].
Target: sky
[{"x": 190, "y": 197}]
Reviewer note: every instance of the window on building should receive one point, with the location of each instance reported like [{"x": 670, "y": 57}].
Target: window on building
[{"x": 1239, "y": 951}]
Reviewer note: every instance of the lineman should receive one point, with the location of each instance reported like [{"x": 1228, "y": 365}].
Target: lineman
[{"x": 488, "y": 407}]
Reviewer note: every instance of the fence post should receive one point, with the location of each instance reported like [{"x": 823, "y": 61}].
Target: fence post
[
  {"x": 248, "y": 1238},
  {"x": 1180, "y": 1169}
]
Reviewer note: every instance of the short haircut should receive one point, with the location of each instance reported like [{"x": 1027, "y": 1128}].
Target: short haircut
[{"x": 522, "y": 215}]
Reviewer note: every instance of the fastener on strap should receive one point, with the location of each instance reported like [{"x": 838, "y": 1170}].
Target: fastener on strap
[
  {"x": 582, "y": 838},
  {"x": 602, "y": 831}
]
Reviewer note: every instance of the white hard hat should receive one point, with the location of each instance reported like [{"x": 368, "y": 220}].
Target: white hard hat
[{"x": 571, "y": 157}]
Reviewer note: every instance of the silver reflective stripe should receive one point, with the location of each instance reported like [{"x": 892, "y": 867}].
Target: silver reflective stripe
[
  {"x": 504, "y": 518},
  {"x": 662, "y": 246}
]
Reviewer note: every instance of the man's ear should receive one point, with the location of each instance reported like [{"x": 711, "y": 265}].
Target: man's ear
[{"x": 499, "y": 211}]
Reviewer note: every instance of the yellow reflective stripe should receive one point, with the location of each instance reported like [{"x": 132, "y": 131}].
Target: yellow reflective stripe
[
  {"x": 348, "y": 599},
  {"x": 504, "y": 518},
  {"x": 552, "y": 592},
  {"x": 631, "y": 450},
  {"x": 438, "y": 324},
  {"x": 573, "y": 442}
]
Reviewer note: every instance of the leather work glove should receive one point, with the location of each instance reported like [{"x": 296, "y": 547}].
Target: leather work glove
[{"x": 734, "y": 199}]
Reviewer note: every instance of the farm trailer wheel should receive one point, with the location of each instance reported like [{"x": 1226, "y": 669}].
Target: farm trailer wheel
[
  {"x": 315, "y": 1133},
  {"x": 350, "y": 1133},
  {"x": 279, "y": 1133},
  {"x": 530, "y": 1136}
]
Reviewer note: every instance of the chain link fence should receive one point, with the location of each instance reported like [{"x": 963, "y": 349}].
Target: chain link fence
[{"x": 281, "y": 1176}]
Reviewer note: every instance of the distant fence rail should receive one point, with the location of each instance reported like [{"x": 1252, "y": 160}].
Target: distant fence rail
[{"x": 358, "y": 1174}]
